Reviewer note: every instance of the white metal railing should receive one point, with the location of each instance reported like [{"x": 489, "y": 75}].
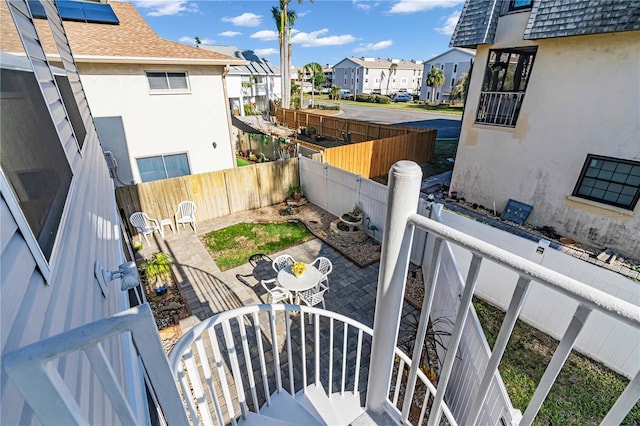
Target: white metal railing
[
  {"x": 34, "y": 370},
  {"x": 401, "y": 220},
  {"x": 263, "y": 349},
  {"x": 499, "y": 108}
]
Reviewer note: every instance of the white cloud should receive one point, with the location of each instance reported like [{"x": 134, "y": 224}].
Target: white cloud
[
  {"x": 449, "y": 24},
  {"x": 374, "y": 46},
  {"x": 412, "y": 6},
  {"x": 265, "y": 35},
  {"x": 247, "y": 19},
  {"x": 192, "y": 40},
  {"x": 265, "y": 52},
  {"x": 229, "y": 33},
  {"x": 360, "y": 4},
  {"x": 313, "y": 39},
  {"x": 166, "y": 7}
]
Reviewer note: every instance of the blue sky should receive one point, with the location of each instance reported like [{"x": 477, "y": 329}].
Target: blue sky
[{"x": 326, "y": 31}]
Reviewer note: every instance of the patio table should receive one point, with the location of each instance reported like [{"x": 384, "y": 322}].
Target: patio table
[{"x": 309, "y": 279}]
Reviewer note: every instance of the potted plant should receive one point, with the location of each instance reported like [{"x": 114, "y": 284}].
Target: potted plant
[
  {"x": 311, "y": 132},
  {"x": 158, "y": 269},
  {"x": 295, "y": 191}
]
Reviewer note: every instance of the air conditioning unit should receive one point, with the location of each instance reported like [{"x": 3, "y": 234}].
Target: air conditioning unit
[{"x": 112, "y": 164}]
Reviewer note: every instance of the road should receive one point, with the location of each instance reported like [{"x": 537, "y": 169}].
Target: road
[{"x": 448, "y": 125}]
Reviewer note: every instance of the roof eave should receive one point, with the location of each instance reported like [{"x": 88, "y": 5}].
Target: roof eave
[{"x": 152, "y": 60}]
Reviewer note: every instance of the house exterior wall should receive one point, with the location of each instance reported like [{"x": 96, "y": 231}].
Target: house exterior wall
[
  {"x": 40, "y": 302},
  {"x": 168, "y": 123},
  {"x": 563, "y": 118},
  {"x": 366, "y": 79},
  {"x": 452, "y": 60}
]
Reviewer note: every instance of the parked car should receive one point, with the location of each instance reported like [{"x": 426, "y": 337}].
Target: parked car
[
  {"x": 402, "y": 97},
  {"x": 345, "y": 94}
]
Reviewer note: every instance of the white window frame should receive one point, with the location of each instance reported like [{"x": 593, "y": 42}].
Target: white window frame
[
  {"x": 169, "y": 90},
  {"x": 166, "y": 154}
]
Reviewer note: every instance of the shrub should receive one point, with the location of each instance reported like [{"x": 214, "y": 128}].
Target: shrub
[
  {"x": 364, "y": 97},
  {"x": 383, "y": 99}
]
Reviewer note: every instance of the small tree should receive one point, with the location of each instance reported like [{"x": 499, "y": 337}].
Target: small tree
[
  {"x": 459, "y": 92},
  {"x": 392, "y": 68},
  {"x": 198, "y": 41},
  {"x": 435, "y": 78}
]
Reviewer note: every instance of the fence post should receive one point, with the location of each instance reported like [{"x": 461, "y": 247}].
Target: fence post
[{"x": 402, "y": 201}]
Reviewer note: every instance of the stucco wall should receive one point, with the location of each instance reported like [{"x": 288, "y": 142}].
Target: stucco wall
[
  {"x": 164, "y": 123},
  {"x": 582, "y": 98},
  {"x": 449, "y": 59}
]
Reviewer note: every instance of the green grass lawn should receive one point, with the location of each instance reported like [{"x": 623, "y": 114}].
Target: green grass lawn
[
  {"x": 444, "y": 149},
  {"x": 232, "y": 246},
  {"x": 584, "y": 391},
  {"x": 242, "y": 162},
  {"x": 411, "y": 105}
]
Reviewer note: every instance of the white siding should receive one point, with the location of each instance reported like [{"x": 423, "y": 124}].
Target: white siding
[{"x": 31, "y": 308}]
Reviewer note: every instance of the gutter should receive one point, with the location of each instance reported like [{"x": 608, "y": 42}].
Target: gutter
[{"x": 150, "y": 60}]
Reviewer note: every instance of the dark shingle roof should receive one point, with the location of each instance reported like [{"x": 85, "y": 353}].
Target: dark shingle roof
[
  {"x": 561, "y": 18},
  {"x": 549, "y": 18},
  {"x": 477, "y": 23}
]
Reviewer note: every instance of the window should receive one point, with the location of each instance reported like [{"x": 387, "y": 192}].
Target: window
[
  {"x": 505, "y": 82},
  {"x": 519, "y": 5},
  {"x": 610, "y": 181},
  {"x": 163, "y": 167},
  {"x": 366, "y": 71},
  {"x": 69, "y": 100},
  {"x": 168, "y": 81},
  {"x": 453, "y": 81},
  {"x": 33, "y": 161},
  {"x": 442, "y": 66},
  {"x": 455, "y": 67}
]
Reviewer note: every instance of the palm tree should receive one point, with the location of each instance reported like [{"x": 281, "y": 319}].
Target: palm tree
[
  {"x": 392, "y": 69},
  {"x": 435, "y": 78},
  {"x": 284, "y": 21},
  {"x": 314, "y": 68}
]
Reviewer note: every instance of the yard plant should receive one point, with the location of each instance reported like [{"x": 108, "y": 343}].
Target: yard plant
[
  {"x": 232, "y": 246},
  {"x": 584, "y": 391}
]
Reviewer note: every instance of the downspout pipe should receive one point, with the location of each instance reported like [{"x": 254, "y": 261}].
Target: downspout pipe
[
  {"x": 402, "y": 202},
  {"x": 225, "y": 71}
]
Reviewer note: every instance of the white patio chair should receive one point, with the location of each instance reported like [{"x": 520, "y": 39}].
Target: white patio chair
[
  {"x": 325, "y": 267},
  {"x": 145, "y": 225},
  {"x": 277, "y": 293},
  {"x": 186, "y": 214},
  {"x": 282, "y": 261},
  {"x": 313, "y": 297}
]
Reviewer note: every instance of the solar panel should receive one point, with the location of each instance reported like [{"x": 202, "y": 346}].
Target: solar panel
[{"x": 78, "y": 11}]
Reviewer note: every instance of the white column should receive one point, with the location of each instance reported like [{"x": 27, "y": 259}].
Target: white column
[{"x": 402, "y": 201}]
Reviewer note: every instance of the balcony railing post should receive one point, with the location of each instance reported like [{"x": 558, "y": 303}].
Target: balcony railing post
[{"x": 402, "y": 201}]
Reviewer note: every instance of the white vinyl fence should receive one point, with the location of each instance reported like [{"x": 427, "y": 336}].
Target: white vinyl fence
[{"x": 609, "y": 341}]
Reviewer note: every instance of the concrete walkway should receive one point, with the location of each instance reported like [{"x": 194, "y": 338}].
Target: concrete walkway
[{"x": 209, "y": 290}]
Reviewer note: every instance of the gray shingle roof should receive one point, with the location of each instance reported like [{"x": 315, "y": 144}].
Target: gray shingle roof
[
  {"x": 561, "y": 18},
  {"x": 549, "y": 18},
  {"x": 477, "y": 23}
]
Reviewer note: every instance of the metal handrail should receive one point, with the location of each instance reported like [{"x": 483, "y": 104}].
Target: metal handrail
[{"x": 199, "y": 383}]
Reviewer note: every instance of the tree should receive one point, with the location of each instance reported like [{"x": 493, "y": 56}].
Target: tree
[
  {"x": 284, "y": 20},
  {"x": 435, "y": 78},
  {"x": 392, "y": 69},
  {"x": 198, "y": 41},
  {"x": 459, "y": 92},
  {"x": 334, "y": 93},
  {"x": 315, "y": 69}
]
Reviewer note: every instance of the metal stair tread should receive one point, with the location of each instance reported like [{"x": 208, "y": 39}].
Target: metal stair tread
[{"x": 285, "y": 407}]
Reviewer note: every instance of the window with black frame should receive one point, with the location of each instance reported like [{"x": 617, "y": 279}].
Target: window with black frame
[
  {"x": 32, "y": 158},
  {"x": 505, "y": 82},
  {"x": 611, "y": 181}
]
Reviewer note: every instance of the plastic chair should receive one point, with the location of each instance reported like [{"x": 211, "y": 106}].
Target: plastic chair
[
  {"x": 313, "y": 297},
  {"x": 282, "y": 261},
  {"x": 145, "y": 225},
  {"x": 277, "y": 293},
  {"x": 325, "y": 267},
  {"x": 186, "y": 214}
]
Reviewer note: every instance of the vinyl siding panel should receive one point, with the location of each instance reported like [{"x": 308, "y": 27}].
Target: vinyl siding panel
[{"x": 32, "y": 309}]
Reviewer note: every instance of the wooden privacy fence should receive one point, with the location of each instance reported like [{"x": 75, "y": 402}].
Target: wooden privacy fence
[
  {"x": 374, "y": 148},
  {"x": 215, "y": 194}
]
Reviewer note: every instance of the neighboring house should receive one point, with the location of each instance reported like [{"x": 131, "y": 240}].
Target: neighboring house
[
  {"x": 58, "y": 217},
  {"x": 159, "y": 106},
  {"x": 454, "y": 63},
  {"x": 535, "y": 130},
  {"x": 253, "y": 84},
  {"x": 385, "y": 76},
  {"x": 328, "y": 77}
]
